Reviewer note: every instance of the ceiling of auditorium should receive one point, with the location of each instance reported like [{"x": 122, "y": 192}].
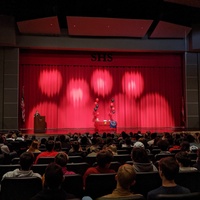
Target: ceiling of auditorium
[{"x": 104, "y": 18}]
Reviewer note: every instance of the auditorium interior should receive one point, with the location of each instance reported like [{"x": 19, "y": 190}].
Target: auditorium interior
[
  {"x": 99, "y": 70},
  {"x": 107, "y": 35}
]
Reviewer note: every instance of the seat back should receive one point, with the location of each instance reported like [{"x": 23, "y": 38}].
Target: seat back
[
  {"x": 122, "y": 158},
  {"x": 136, "y": 197},
  {"x": 90, "y": 160},
  {"x": 190, "y": 196},
  {"x": 113, "y": 165},
  {"x": 146, "y": 181},
  {"x": 39, "y": 168},
  {"x": 75, "y": 159},
  {"x": 22, "y": 188},
  {"x": 189, "y": 180},
  {"x": 163, "y": 155},
  {"x": 73, "y": 184},
  {"x": 78, "y": 168},
  {"x": 45, "y": 160},
  {"x": 98, "y": 185}
]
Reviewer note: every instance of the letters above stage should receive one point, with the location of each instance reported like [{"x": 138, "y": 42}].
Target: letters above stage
[
  {"x": 105, "y": 125},
  {"x": 39, "y": 124}
]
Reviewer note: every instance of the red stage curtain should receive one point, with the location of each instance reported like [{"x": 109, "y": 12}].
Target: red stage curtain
[{"x": 147, "y": 89}]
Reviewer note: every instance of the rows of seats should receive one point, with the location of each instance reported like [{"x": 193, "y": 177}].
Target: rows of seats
[{"x": 96, "y": 184}]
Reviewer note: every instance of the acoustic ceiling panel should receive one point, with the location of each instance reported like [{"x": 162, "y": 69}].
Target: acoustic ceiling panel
[
  {"x": 42, "y": 26},
  {"x": 115, "y": 27},
  {"x": 169, "y": 30},
  {"x": 192, "y": 3}
]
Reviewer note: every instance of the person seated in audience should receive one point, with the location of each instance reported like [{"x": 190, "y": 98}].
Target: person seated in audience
[
  {"x": 52, "y": 187},
  {"x": 125, "y": 178},
  {"x": 20, "y": 137},
  {"x": 112, "y": 148},
  {"x": 184, "y": 162},
  {"x": 65, "y": 143},
  {"x": 163, "y": 145},
  {"x": 26, "y": 162},
  {"x": 96, "y": 145},
  {"x": 42, "y": 143},
  {"x": 62, "y": 159},
  {"x": 76, "y": 150},
  {"x": 34, "y": 147},
  {"x": 49, "y": 151},
  {"x": 197, "y": 164},
  {"x": 151, "y": 141},
  {"x": 176, "y": 146},
  {"x": 168, "y": 170},
  {"x": 3, "y": 146},
  {"x": 185, "y": 146},
  {"x": 141, "y": 162},
  {"x": 58, "y": 146},
  {"x": 104, "y": 158}
]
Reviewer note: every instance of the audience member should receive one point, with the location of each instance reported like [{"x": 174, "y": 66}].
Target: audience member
[
  {"x": 34, "y": 147},
  {"x": 141, "y": 162},
  {"x": 62, "y": 159},
  {"x": 184, "y": 162},
  {"x": 52, "y": 186},
  {"x": 26, "y": 161},
  {"x": 104, "y": 158},
  {"x": 125, "y": 178},
  {"x": 163, "y": 145},
  {"x": 185, "y": 146},
  {"x": 58, "y": 146},
  {"x": 197, "y": 164},
  {"x": 176, "y": 146},
  {"x": 151, "y": 141},
  {"x": 76, "y": 150},
  {"x": 49, "y": 151},
  {"x": 168, "y": 170}
]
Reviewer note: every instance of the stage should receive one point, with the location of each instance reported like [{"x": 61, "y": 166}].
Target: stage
[{"x": 57, "y": 131}]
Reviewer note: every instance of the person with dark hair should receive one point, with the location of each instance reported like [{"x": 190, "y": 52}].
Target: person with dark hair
[
  {"x": 76, "y": 150},
  {"x": 104, "y": 158},
  {"x": 151, "y": 141},
  {"x": 168, "y": 170},
  {"x": 62, "y": 159},
  {"x": 52, "y": 186},
  {"x": 26, "y": 161},
  {"x": 141, "y": 162},
  {"x": 125, "y": 178},
  {"x": 185, "y": 146},
  {"x": 50, "y": 152},
  {"x": 163, "y": 145},
  {"x": 184, "y": 162},
  {"x": 197, "y": 164}
]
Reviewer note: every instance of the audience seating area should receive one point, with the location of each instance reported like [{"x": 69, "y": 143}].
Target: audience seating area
[{"x": 96, "y": 184}]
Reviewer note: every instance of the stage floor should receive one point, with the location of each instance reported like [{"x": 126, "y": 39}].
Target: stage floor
[{"x": 56, "y": 131}]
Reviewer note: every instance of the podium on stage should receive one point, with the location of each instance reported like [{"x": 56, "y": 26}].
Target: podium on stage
[{"x": 39, "y": 124}]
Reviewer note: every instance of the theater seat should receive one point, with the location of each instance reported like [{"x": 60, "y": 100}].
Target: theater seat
[
  {"x": 189, "y": 180},
  {"x": 98, "y": 185},
  {"x": 125, "y": 198},
  {"x": 146, "y": 181},
  {"x": 73, "y": 184},
  {"x": 22, "y": 188},
  {"x": 45, "y": 160},
  {"x": 190, "y": 196},
  {"x": 78, "y": 168}
]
